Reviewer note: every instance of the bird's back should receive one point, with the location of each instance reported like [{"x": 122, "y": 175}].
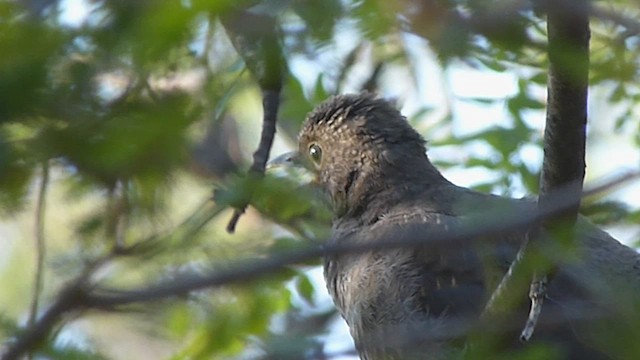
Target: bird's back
[{"x": 411, "y": 300}]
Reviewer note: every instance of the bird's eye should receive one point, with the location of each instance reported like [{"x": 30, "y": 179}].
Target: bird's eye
[{"x": 315, "y": 153}]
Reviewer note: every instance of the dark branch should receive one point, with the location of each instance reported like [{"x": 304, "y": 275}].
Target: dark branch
[
  {"x": 270, "y": 104},
  {"x": 40, "y": 244},
  {"x": 256, "y": 39},
  {"x": 565, "y": 131}
]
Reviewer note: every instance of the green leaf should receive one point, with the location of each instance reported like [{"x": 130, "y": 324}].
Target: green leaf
[
  {"x": 320, "y": 17},
  {"x": 305, "y": 288},
  {"x": 605, "y": 212}
]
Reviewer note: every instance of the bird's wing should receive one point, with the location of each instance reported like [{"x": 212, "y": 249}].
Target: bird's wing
[
  {"x": 601, "y": 266},
  {"x": 458, "y": 274},
  {"x": 451, "y": 269}
]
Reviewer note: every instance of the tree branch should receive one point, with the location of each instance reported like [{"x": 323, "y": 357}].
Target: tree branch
[
  {"x": 40, "y": 243},
  {"x": 564, "y": 143},
  {"x": 256, "y": 39},
  {"x": 71, "y": 298},
  {"x": 270, "y": 104},
  {"x": 565, "y": 130}
]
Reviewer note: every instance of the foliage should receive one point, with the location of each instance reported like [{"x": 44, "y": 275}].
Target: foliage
[{"x": 142, "y": 108}]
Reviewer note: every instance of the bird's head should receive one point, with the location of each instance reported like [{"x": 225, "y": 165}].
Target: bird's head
[{"x": 359, "y": 147}]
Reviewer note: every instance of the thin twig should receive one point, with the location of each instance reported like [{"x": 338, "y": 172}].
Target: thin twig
[
  {"x": 496, "y": 303},
  {"x": 537, "y": 293},
  {"x": 256, "y": 38},
  {"x": 270, "y": 104},
  {"x": 40, "y": 243},
  {"x": 121, "y": 215},
  {"x": 69, "y": 299},
  {"x": 117, "y": 215}
]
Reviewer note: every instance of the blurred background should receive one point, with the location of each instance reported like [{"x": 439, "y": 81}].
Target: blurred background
[{"x": 132, "y": 122}]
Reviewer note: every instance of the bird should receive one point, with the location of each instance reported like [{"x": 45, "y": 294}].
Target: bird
[{"x": 418, "y": 301}]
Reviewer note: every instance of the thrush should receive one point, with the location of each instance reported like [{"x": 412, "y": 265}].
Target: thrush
[{"x": 418, "y": 301}]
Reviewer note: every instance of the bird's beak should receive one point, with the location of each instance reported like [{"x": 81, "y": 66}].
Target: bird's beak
[{"x": 287, "y": 160}]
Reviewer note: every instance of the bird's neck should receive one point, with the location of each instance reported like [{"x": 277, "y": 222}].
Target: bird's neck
[{"x": 376, "y": 194}]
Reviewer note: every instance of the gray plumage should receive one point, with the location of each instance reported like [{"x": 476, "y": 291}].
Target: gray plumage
[{"x": 416, "y": 302}]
